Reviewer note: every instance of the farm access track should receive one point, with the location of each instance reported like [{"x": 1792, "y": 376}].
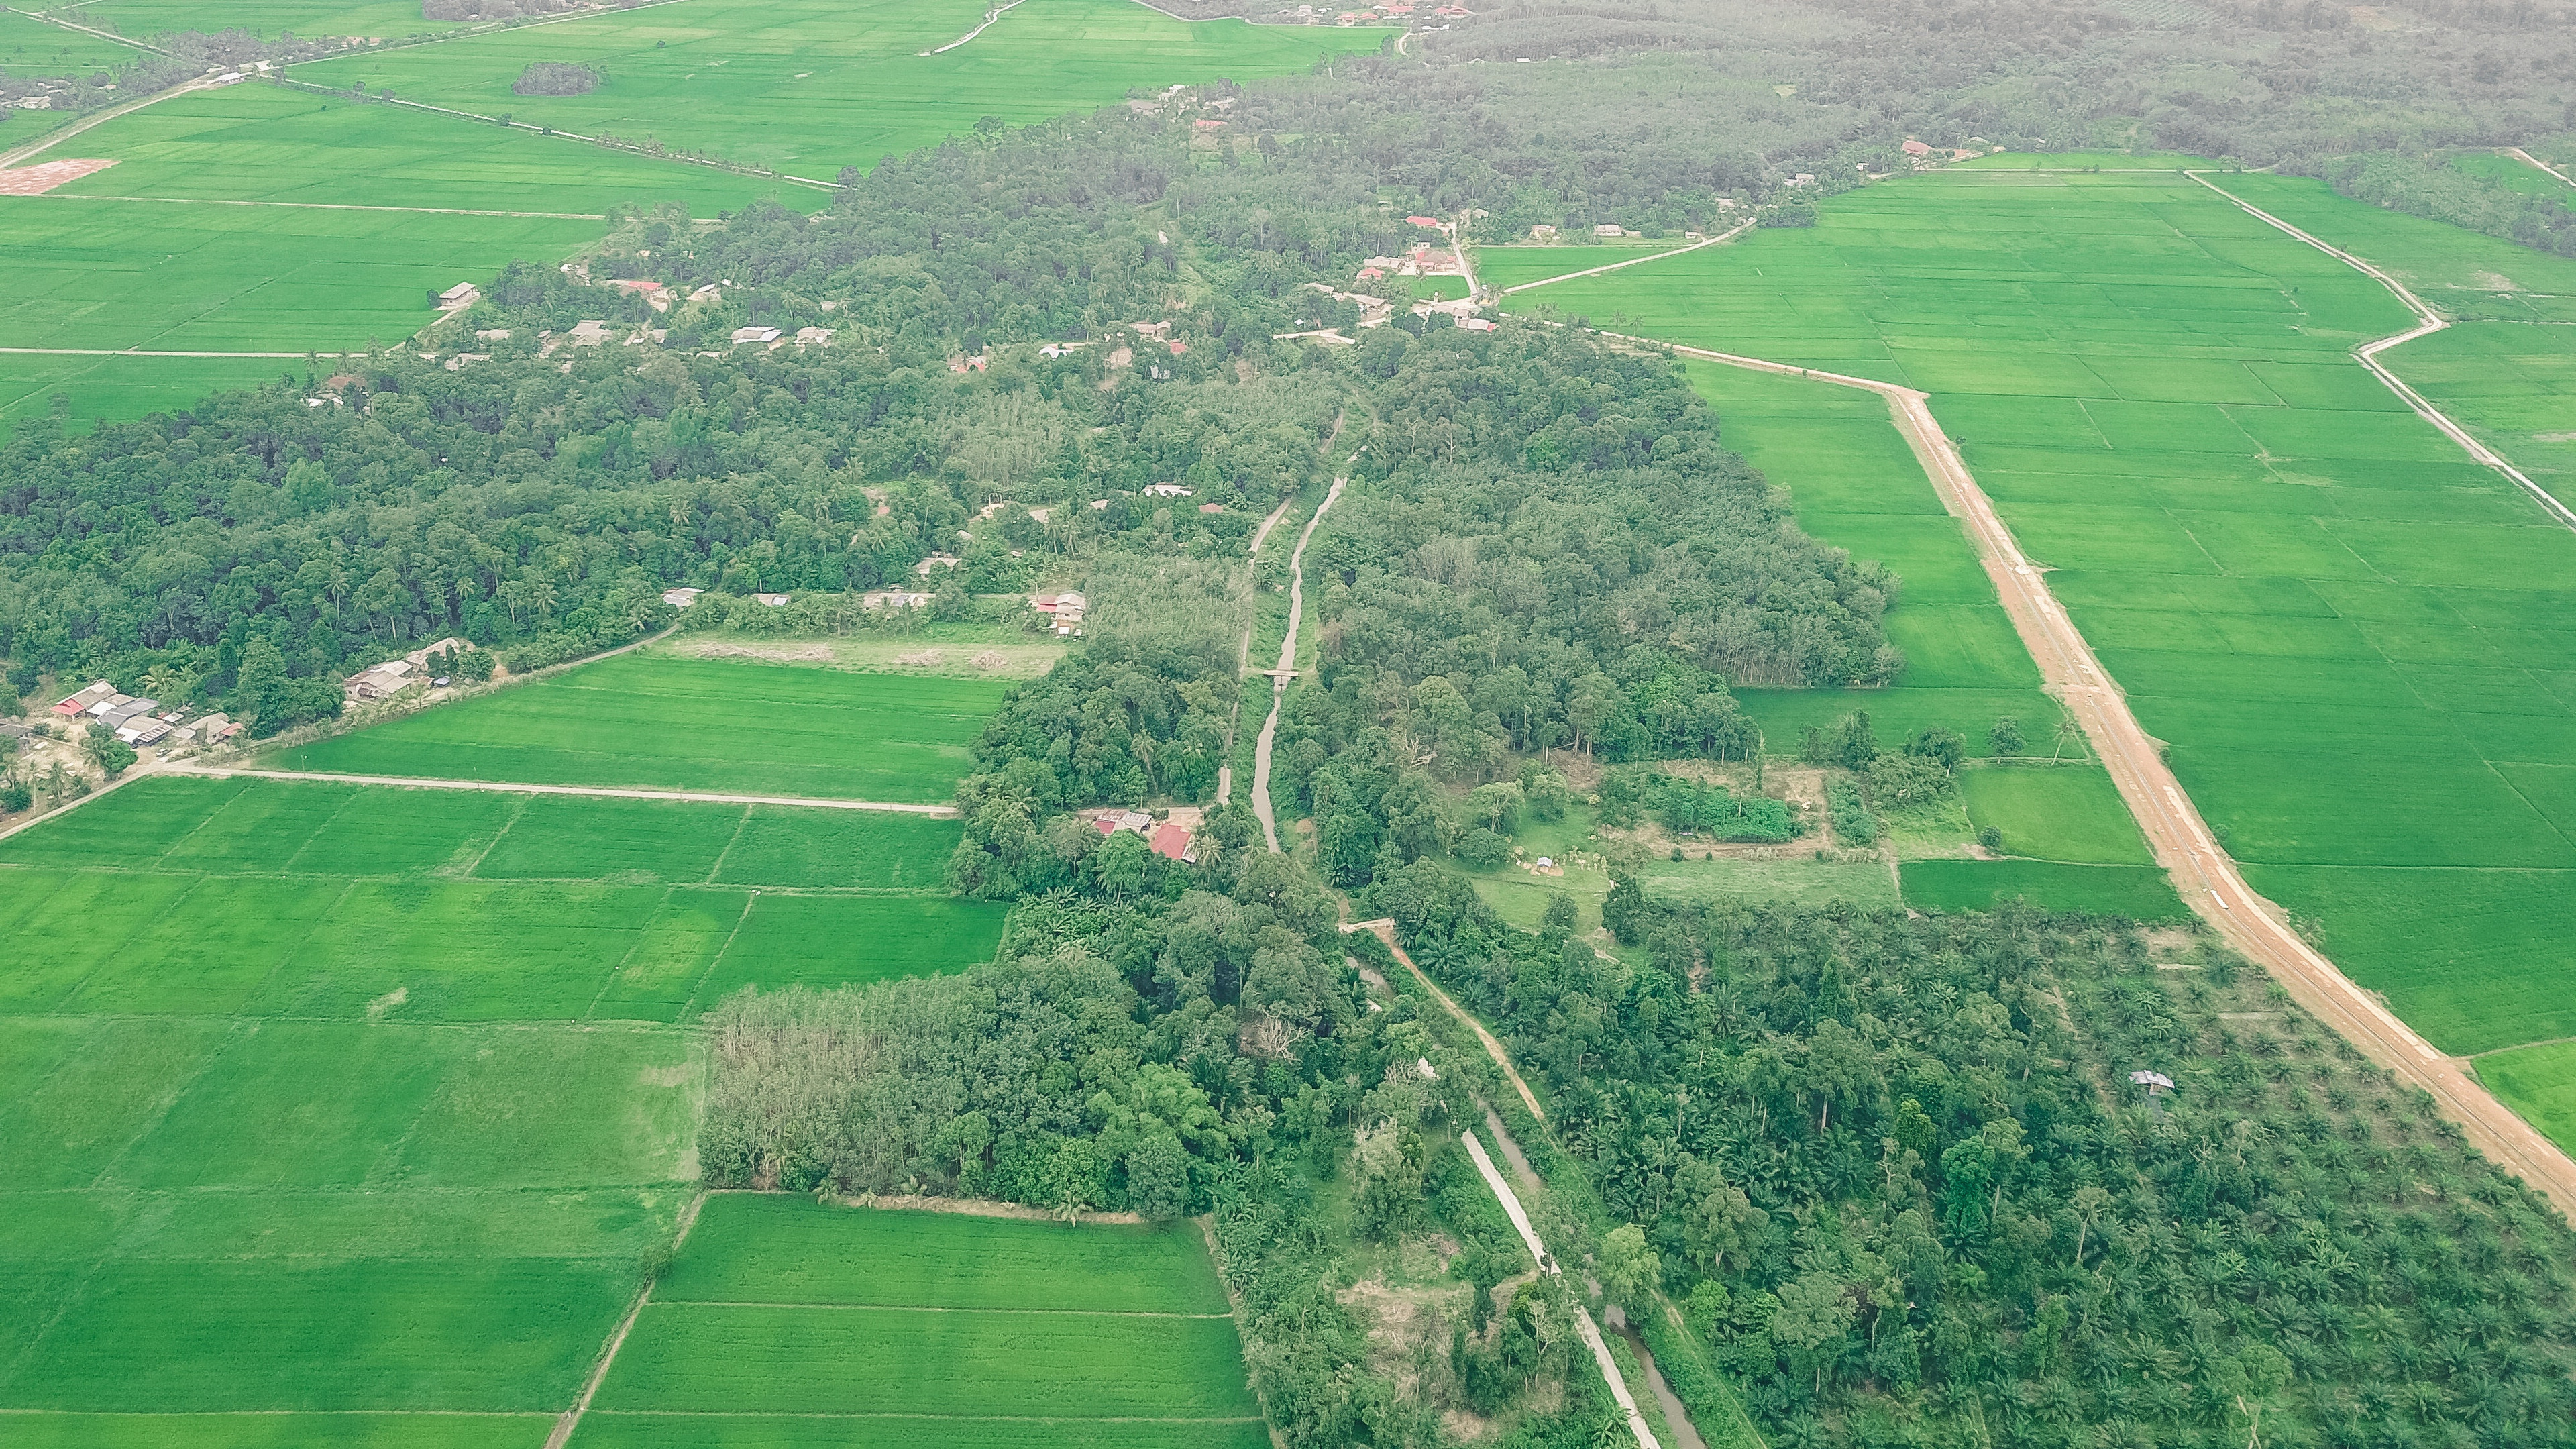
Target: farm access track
[{"x": 2205, "y": 875}]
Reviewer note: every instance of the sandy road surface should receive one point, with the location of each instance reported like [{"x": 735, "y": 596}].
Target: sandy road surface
[
  {"x": 1287, "y": 660},
  {"x": 511, "y": 788},
  {"x": 2207, "y": 878}
]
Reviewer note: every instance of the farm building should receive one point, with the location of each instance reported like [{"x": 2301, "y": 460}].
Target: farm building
[
  {"x": 79, "y": 703},
  {"x": 1110, "y": 822},
  {"x": 894, "y": 599},
  {"x": 459, "y": 297},
  {"x": 1067, "y": 609},
  {"x": 1913, "y": 147},
  {"x": 1542, "y": 233},
  {"x": 681, "y": 598},
  {"x": 772, "y": 601},
  {"x": 1430, "y": 222},
  {"x": 813, "y": 336},
  {"x": 936, "y": 560},
  {"x": 761, "y": 335},
  {"x": 1476, "y": 324},
  {"x": 381, "y": 681},
  {"x": 1173, "y": 840},
  {"x": 1168, "y": 490}
]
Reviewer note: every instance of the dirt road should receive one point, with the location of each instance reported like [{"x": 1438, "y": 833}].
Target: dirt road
[
  {"x": 2525, "y": 157},
  {"x": 2427, "y": 322},
  {"x": 1724, "y": 236},
  {"x": 513, "y": 788},
  {"x": 2207, "y": 878},
  {"x": 1287, "y": 661}
]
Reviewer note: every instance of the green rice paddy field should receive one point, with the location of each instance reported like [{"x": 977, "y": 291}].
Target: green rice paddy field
[
  {"x": 30, "y": 47},
  {"x": 352, "y": 1110},
  {"x": 312, "y": 19},
  {"x": 2355, "y": 641},
  {"x": 809, "y": 86},
  {"x": 822, "y": 1325},
  {"x": 659, "y": 720}
]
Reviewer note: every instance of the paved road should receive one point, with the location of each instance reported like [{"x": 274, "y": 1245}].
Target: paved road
[
  {"x": 2206, "y": 876},
  {"x": 1287, "y": 660},
  {"x": 515, "y": 788}
]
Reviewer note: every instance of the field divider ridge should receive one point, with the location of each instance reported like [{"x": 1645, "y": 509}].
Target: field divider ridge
[
  {"x": 324, "y": 206},
  {"x": 609, "y": 143},
  {"x": 2179, "y": 838},
  {"x": 1724, "y": 236},
  {"x": 617, "y": 792},
  {"x": 937, "y": 1308},
  {"x": 571, "y": 1418},
  {"x": 2428, "y": 322}
]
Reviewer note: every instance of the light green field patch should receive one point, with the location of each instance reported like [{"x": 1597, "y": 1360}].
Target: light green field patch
[
  {"x": 760, "y": 1248},
  {"x": 1789, "y": 878},
  {"x": 2065, "y": 813},
  {"x": 31, "y": 47},
  {"x": 813, "y": 732},
  {"x": 808, "y": 87},
  {"x": 310, "y": 19},
  {"x": 2539, "y": 1082},
  {"x": 272, "y": 144}
]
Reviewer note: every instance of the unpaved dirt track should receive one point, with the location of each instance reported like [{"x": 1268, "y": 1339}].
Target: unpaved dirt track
[
  {"x": 509, "y": 787},
  {"x": 1287, "y": 660},
  {"x": 2427, "y": 322},
  {"x": 2207, "y": 878}
]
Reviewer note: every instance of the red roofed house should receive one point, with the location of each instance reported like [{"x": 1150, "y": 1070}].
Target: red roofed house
[
  {"x": 1177, "y": 347},
  {"x": 1917, "y": 148},
  {"x": 1432, "y": 222},
  {"x": 1173, "y": 842},
  {"x": 1207, "y": 125},
  {"x": 79, "y": 703}
]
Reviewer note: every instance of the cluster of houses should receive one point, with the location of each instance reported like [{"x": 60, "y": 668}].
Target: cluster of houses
[
  {"x": 142, "y": 722},
  {"x": 1174, "y": 839},
  {"x": 1396, "y": 10},
  {"x": 392, "y": 677}
]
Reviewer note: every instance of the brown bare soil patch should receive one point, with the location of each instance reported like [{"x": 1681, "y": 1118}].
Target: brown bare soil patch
[{"x": 44, "y": 176}]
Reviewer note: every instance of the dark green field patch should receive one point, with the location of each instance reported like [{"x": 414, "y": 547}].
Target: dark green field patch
[
  {"x": 592, "y": 837},
  {"x": 2139, "y": 892},
  {"x": 835, "y": 940},
  {"x": 876, "y": 849}
]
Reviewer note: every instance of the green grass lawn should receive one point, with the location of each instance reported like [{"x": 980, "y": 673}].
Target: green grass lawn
[
  {"x": 782, "y": 1306},
  {"x": 807, "y": 87},
  {"x": 660, "y": 721},
  {"x": 2328, "y": 612}
]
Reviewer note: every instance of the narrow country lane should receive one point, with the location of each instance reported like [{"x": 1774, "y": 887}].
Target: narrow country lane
[{"x": 1287, "y": 662}]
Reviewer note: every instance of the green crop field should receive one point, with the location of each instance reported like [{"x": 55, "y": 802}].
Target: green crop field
[
  {"x": 780, "y": 1306},
  {"x": 2539, "y": 1082},
  {"x": 124, "y": 387},
  {"x": 269, "y": 143},
  {"x": 172, "y": 278},
  {"x": 1519, "y": 265},
  {"x": 659, "y": 720},
  {"x": 808, "y": 87},
  {"x": 2329, "y": 614},
  {"x": 352, "y": 1109},
  {"x": 2081, "y": 161},
  {"x": 2139, "y": 891},
  {"x": 2516, "y": 175},
  {"x": 2055, "y": 813},
  {"x": 30, "y": 47},
  {"x": 284, "y": 899},
  {"x": 311, "y": 19}
]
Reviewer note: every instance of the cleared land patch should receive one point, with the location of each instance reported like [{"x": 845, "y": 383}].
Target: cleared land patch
[
  {"x": 661, "y": 721},
  {"x": 870, "y": 1320},
  {"x": 808, "y": 87},
  {"x": 2330, "y": 618}
]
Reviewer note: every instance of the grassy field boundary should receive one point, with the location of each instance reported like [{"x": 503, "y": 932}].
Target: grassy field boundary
[
  {"x": 571, "y": 1419},
  {"x": 520, "y": 787}
]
